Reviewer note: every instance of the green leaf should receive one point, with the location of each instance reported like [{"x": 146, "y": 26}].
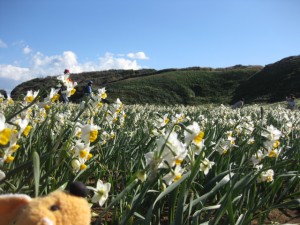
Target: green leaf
[
  {"x": 163, "y": 194},
  {"x": 36, "y": 172}
]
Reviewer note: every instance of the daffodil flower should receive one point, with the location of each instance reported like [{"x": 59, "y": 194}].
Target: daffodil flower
[
  {"x": 193, "y": 132},
  {"x": 27, "y": 130},
  {"x": 30, "y": 96},
  {"x": 78, "y": 164},
  {"x": 5, "y": 135},
  {"x": 2, "y": 175},
  {"x": 163, "y": 121},
  {"x": 206, "y": 165},
  {"x": 141, "y": 175},
  {"x": 257, "y": 157},
  {"x": 223, "y": 146},
  {"x": 271, "y": 133},
  {"x": 5, "y": 132},
  {"x": 2, "y": 122},
  {"x": 273, "y": 153},
  {"x": 266, "y": 176},
  {"x": 89, "y": 132},
  {"x": 173, "y": 175},
  {"x": 101, "y": 192},
  {"x": 102, "y": 93}
]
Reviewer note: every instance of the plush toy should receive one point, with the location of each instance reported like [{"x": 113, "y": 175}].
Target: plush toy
[{"x": 58, "y": 208}]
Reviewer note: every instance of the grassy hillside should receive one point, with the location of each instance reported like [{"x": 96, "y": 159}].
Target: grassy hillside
[
  {"x": 190, "y": 86},
  {"x": 170, "y": 86},
  {"x": 273, "y": 83},
  {"x": 182, "y": 87}
]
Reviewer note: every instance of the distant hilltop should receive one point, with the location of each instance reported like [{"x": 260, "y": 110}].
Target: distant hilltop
[{"x": 189, "y": 86}]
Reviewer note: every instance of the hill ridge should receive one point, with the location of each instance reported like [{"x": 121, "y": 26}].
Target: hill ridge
[{"x": 191, "y": 85}]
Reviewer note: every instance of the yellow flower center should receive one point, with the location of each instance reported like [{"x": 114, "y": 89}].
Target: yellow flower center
[
  {"x": 276, "y": 144},
  {"x": 47, "y": 107},
  {"x": 14, "y": 148},
  {"x": 73, "y": 91},
  {"x": 10, "y": 101},
  {"x": 93, "y": 135},
  {"x": 83, "y": 167},
  {"x": 89, "y": 156},
  {"x": 27, "y": 130},
  {"x": 55, "y": 98},
  {"x": 103, "y": 95},
  {"x": 83, "y": 153},
  {"x": 167, "y": 120},
  {"x": 9, "y": 159},
  {"x": 177, "y": 177},
  {"x": 273, "y": 153},
  {"x": 79, "y": 134},
  {"x": 199, "y": 137},
  {"x": 269, "y": 178},
  {"x": 179, "y": 119},
  {"x": 178, "y": 162},
  {"x": 101, "y": 192},
  {"x": 100, "y": 104},
  {"x": 29, "y": 98},
  {"x": 5, "y": 136}
]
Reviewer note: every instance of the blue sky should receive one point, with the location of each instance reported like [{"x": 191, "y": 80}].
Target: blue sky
[{"x": 41, "y": 38}]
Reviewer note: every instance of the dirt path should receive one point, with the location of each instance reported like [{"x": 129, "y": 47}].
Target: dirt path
[{"x": 286, "y": 216}]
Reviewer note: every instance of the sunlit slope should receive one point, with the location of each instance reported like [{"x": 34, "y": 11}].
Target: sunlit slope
[{"x": 181, "y": 87}]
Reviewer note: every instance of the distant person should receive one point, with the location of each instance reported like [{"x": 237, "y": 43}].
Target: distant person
[
  {"x": 88, "y": 89},
  {"x": 4, "y": 94},
  {"x": 63, "y": 88},
  {"x": 63, "y": 93},
  {"x": 66, "y": 71},
  {"x": 238, "y": 104},
  {"x": 290, "y": 102}
]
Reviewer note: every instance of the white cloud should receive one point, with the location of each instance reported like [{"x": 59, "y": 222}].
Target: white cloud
[
  {"x": 42, "y": 65},
  {"x": 109, "y": 61},
  {"x": 137, "y": 55},
  {"x": 14, "y": 72},
  {"x": 54, "y": 65},
  {"x": 3, "y": 44},
  {"x": 26, "y": 50}
]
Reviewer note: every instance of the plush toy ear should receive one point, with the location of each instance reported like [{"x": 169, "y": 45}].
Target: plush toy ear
[
  {"x": 10, "y": 205},
  {"x": 78, "y": 189}
]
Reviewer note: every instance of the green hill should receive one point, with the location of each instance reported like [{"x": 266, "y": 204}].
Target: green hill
[
  {"x": 170, "y": 86},
  {"x": 273, "y": 82},
  {"x": 188, "y": 86},
  {"x": 191, "y": 86}
]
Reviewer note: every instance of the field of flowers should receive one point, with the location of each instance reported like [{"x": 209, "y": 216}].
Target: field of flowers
[{"x": 153, "y": 164}]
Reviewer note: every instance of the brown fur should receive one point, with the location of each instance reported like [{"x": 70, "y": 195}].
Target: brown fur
[{"x": 59, "y": 207}]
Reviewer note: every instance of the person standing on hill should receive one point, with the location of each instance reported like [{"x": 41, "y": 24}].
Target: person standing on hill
[
  {"x": 62, "y": 92},
  {"x": 291, "y": 102},
  {"x": 238, "y": 104},
  {"x": 88, "y": 89}
]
